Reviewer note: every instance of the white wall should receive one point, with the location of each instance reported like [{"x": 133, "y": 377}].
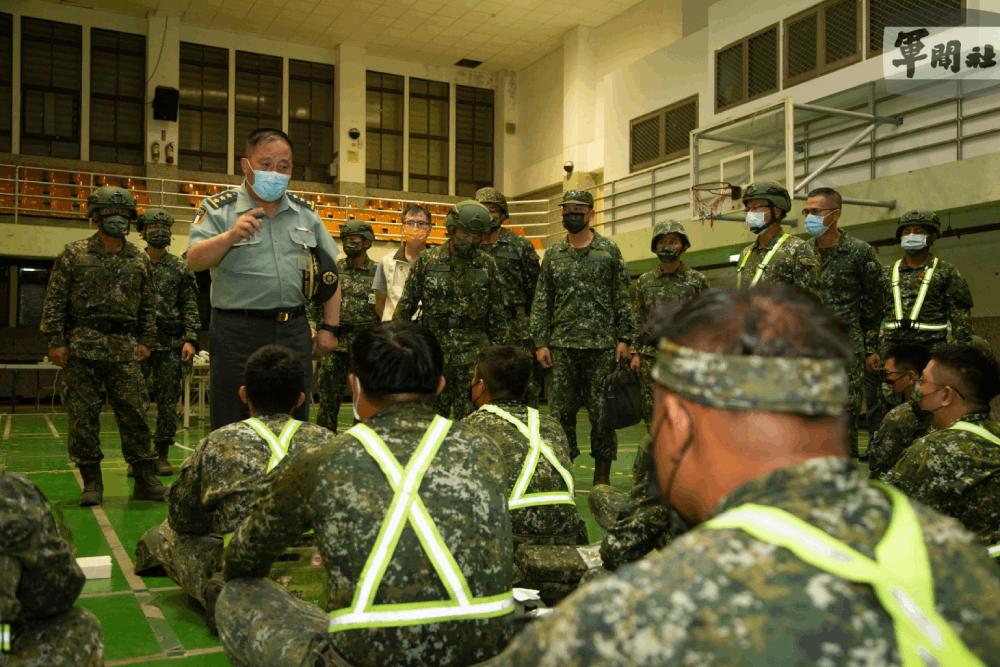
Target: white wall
[{"x": 534, "y": 159}]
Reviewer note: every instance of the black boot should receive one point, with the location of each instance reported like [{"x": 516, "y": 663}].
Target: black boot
[
  {"x": 602, "y": 471},
  {"x": 147, "y": 487},
  {"x": 163, "y": 468},
  {"x": 93, "y": 484}
]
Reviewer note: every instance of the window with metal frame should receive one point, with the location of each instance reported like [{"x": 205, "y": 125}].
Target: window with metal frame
[
  {"x": 117, "y": 96},
  {"x": 258, "y": 97},
  {"x": 821, "y": 39},
  {"x": 310, "y": 118},
  {"x": 50, "y": 88},
  {"x": 747, "y": 69},
  {"x": 663, "y": 134},
  {"x": 6, "y": 80},
  {"x": 888, "y": 13},
  {"x": 473, "y": 139},
  {"x": 429, "y": 120},
  {"x": 384, "y": 131},
  {"x": 204, "y": 108}
]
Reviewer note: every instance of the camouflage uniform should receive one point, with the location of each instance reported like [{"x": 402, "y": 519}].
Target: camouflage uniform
[
  {"x": 39, "y": 581},
  {"x": 957, "y": 473},
  {"x": 357, "y": 311},
  {"x": 342, "y": 493},
  {"x": 102, "y": 305},
  {"x": 177, "y": 322},
  {"x": 722, "y": 597},
  {"x": 903, "y": 426},
  {"x": 461, "y": 302},
  {"x": 794, "y": 263},
  {"x": 582, "y": 308},
  {"x": 214, "y": 491},
  {"x": 851, "y": 285},
  {"x": 652, "y": 289}
]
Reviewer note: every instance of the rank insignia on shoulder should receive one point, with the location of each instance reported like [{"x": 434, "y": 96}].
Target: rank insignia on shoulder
[
  {"x": 302, "y": 201},
  {"x": 221, "y": 199}
]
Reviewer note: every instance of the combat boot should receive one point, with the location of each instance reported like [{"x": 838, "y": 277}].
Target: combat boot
[
  {"x": 163, "y": 467},
  {"x": 93, "y": 484},
  {"x": 147, "y": 487},
  {"x": 602, "y": 471}
]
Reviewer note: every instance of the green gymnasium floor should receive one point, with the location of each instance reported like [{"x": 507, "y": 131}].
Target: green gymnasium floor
[{"x": 148, "y": 620}]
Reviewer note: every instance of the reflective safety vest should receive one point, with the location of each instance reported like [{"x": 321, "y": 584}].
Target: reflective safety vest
[
  {"x": 407, "y": 507},
  {"x": 911, "y": 322},
  {"x": 763, "y": 264},
  {"x": 278, "y": 444},
  {"x": 975, "y": 429},
  {"x": 900, "y": 573},
  {"x": 538, "y": 448}
]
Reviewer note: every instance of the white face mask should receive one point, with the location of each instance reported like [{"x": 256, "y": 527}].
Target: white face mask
[
  {"x": 913, "y": 242},
  {"x": 756, "y": 221}
]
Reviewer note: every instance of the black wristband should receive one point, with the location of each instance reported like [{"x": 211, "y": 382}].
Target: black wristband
[{"x": 332, "y": 328}]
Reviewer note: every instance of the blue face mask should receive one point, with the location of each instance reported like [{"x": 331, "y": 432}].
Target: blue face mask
[
  {"x": 269, "y": 185},
  {"x": 814, "y": 224},
  {"x": 756, "y": 221},
  {"x": 914, "y": 242}
]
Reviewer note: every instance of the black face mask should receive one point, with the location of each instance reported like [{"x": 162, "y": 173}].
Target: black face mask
[
  {"x": 353, "y": 250},
  {"x": 159, "y": 238},
  {"x": 115, "y": 226},
  {"x": 574, "y": 222},
  {"x": 668, "y": 254}
]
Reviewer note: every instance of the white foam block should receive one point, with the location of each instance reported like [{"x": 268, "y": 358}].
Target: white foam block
[{"x": 95, "y": 567}]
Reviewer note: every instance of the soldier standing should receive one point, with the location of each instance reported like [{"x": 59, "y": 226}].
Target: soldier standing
[
  {"x": 850, "y": 284},
  {"x": 456, "y": 290},
  {"x": 39, "y": 581},
  {"x": 775, "y": 256},
  {"x": 582, "y": 324},
  {"x": 517, "y": 268},
  {"x": 357, "y": 311},
  {"x": 100, "y": 321},
  {"x": 672, "y": 280},
  {"x": 177, "y": 325}
]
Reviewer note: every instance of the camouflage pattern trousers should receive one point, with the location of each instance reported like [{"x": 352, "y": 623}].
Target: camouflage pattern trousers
[
  {"x": 646, "y": 363},
  {"x": 578, "y": 380},
  {"x": 330, "y": 382},
  {"x": 86, "y": 380},
  {"x": 73, "y": 637},
  {"x": 190, "y": 560},
  {"x": 454, "y": 402},
  {"x": 162, "y": 371},
  {"x": 260, "y": 623}
]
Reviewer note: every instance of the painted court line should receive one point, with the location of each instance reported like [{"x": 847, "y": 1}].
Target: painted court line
[
  {"x": 6, "y": 427},
  {"x": 52, "y": 427},
  {"x": 184, "y": 447}
]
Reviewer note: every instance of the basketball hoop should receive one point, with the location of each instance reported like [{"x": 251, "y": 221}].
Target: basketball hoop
[{"x": 708, "y": 198}]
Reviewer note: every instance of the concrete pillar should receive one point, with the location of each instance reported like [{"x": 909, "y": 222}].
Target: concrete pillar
[
  {"x": 580, "y": 98},
  {"x": 350, "y": 95},
  {"x": 163, "y": 56},
  {"x": 504, "y": 128}
]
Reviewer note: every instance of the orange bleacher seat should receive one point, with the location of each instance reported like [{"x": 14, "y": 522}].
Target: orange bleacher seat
[
  {"x": 31, "y": 206},
  {"x": 58, "y": 176},
  {"x": 6, "y": 185},
  {"x": 32, "y": 174},
  {"x": 6, "y": 203},
  {"x": 141, "y": 198},
  {"x": 81, "y": 178},
  {"x": 29, "y": 188}
]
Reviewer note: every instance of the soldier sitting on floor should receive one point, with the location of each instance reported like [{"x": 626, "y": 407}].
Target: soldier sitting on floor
[{"x": 217, "y": 485}]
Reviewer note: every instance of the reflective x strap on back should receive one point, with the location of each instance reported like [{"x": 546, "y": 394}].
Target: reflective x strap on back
[
  {"x": 407, "y": 508},
  {"x": 763, "y": 265},
  {"x": 918, "y": 304},
  {"x": 900, "y": 575},
  {"x": 278, "y": 444},
  {"x": 993, "y": 551},
  {"x": 538, "y": 448},
  {"x": 975, "y": 429}
]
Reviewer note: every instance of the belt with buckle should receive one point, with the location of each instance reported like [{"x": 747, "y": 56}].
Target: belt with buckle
[{"x": 275, "y": 314}]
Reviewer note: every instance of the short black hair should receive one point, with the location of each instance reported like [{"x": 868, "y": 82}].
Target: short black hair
[
  {"x": 506, "y": 370},
  {"x": 829, "y": 193},
  {"x": 397, "y": 358},
  {"x": 910, "y": 356},
  {"x": 978, "y": 371},
  {"x": 274, "y": 379},
  {"x": 415, "y": 208},
  {"x": 262, "y": 134}
]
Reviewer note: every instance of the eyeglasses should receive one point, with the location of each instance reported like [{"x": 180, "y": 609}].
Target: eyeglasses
[
  {"x": 921, "y": 381},
  {"x": 887, "y": 376},
  {"x": 818, "y": 211},
  {"x": 416, "y": 223}
]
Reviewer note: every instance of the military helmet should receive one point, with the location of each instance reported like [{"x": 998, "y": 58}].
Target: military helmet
[
  {"x": 153, "y": 216},
  {"x": 359, "y": 227},
  {"x": 493, "y": 196},
  {"x": 669, "y": 227},
  {"x": 471, "y": 216},
  {"x": 927, "y": 219},
  {"x": 577, "y": 197},
  {"x": 109, "y": 196},
  {"x": 774, "y": 193}
]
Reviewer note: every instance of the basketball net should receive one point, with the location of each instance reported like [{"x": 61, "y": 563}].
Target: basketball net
[{"x": 708, "y": 198}]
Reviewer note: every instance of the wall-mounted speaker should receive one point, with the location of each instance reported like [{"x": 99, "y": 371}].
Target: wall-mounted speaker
[{"x": 165, "y": 103}]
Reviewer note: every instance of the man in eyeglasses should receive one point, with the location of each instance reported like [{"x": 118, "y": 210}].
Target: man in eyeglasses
[
  {"x": 905, "y": 422},
  {"x": 392, "y": 269},
  {"x": 956, "y": 468},
  {"x": 850, "y": 283}
]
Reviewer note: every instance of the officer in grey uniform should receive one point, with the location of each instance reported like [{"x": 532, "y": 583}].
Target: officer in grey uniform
[{"x": 259, "y": 241}]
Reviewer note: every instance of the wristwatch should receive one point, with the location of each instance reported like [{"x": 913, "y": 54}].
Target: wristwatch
[{"x": 332, "y": 328}]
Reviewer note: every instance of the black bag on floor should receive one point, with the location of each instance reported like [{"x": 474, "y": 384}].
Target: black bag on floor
[{"x": 622, "y": 397}]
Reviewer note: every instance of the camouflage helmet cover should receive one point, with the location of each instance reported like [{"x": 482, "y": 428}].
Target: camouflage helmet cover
[
  {"x": 577, "y": 197},
  {"x": 927, "y": 219},
  {"x": 493, "y": 196},
  {"x": 359, "y": 227},
  {"x": 109, "y": 196},
  {"x": 770, "y": 191},
  {"x": 153, "y": 216},
  {"x": 471, "y": 216},
  {"x": 669, "y": 227}
]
